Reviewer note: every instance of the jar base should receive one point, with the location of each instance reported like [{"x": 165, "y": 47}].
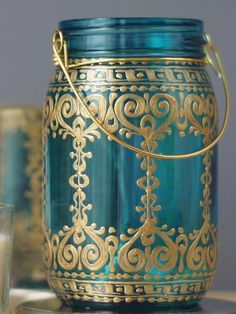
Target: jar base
[
  {"x": 54, "y": 306},
  {"x": 134, "y": 307}
]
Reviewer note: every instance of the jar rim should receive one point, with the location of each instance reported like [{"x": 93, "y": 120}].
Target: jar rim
[
  {"x": 101, "y": 22},
  {"x": 130, "y": 36}
]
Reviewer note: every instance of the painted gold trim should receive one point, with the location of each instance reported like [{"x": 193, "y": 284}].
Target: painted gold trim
[{"x": 61, "y": 57}]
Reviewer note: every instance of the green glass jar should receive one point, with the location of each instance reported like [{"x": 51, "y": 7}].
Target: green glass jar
[{"x": 129, "y": 217}]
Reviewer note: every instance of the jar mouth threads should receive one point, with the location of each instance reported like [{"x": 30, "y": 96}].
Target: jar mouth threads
[
  {"x": 164, "y": 37},
  {"x": 156, "y": 22}
]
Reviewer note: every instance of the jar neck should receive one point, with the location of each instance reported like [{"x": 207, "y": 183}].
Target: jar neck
[{"x": 139, "y": 37}]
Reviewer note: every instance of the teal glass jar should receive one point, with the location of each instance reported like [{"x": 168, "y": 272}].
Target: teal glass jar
[{"x": 129, "y": 217}]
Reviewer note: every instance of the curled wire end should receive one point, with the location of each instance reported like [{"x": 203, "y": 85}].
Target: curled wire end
[
  {"x": 211, "y": 51},
  {"x": 59, "y": 45},
  {"x": 208, "y": 40}
]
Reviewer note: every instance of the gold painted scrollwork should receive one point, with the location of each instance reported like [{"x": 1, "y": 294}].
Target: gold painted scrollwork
[
  {"x": 86, "y": 248},
  {"x": 93, "y": 256},
  {"x": 202, "y": 252}
]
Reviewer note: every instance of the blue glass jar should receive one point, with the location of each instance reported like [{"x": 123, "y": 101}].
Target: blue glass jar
[{"x": 127, "y": 220}]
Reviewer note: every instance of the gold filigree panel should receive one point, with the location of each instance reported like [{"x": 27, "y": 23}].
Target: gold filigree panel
[{"x": 133, "y": 252}]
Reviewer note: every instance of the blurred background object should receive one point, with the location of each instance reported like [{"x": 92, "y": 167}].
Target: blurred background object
[
  {"x": 6, "y": 237},
  {"x": 20, "y": 184}
]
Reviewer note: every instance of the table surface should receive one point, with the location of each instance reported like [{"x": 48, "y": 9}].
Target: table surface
[{"x": 17, "y": 296}]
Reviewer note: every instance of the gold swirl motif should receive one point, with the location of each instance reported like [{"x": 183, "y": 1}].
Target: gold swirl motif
[
  {"x": 176, "y": 250},
  {"x": 68, "y": 256}
]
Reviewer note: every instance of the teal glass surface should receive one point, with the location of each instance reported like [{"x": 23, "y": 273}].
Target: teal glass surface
[{"x": 123, "y": 229}]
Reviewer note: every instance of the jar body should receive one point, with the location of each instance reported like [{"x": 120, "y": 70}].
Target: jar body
[{"x": 121, "y": 228}]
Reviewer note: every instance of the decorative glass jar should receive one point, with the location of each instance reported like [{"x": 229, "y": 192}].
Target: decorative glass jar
[{"x": 130, "y": 125}]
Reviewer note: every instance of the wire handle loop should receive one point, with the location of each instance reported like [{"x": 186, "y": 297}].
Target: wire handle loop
[{"x": 60, "y": 58}]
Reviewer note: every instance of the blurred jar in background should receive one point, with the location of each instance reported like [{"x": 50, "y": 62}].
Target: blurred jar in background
[{"x": 20, "y": 184}]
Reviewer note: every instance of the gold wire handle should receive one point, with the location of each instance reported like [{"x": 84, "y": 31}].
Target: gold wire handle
[{"x": 61, "y": 58}]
